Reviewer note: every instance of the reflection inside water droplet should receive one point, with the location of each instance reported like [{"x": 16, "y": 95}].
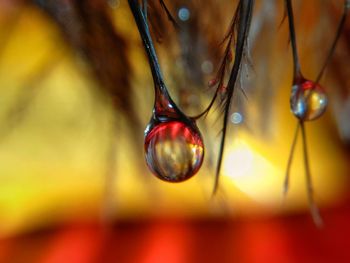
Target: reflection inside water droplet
[
  {"x": 308, "y": 100},
  {"x": 174, "y": 151}
]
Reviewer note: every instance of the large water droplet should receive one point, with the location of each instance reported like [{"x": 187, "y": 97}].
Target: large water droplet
[
  {"x": 308, "y": 100},
  {"x": 174, "y": 150}
]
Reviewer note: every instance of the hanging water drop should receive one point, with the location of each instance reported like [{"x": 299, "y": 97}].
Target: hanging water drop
[
  {"x": 308, "y": 100},
  {"x": 174, "y": 150},
  {"x": 174, "y": 147}
]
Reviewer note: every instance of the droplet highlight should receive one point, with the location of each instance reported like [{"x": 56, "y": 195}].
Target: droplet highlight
[
  {"x": 174, "y": 151},
  {"x": 236, "y": 118},
  {"x": 184, "y": 14},
  {"x": 308, "y": 100}
]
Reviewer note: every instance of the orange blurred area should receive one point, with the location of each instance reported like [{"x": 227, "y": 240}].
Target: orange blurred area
[
  {"x": 74, "y": 186},
  {"x": 282, "y": 239}
]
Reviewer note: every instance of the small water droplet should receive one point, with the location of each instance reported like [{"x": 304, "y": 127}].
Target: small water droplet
[
  {"x": 212, "y": 82},
  {"x": 184, "y": 14},
  {"x": 308, "y": 100},
  {"x": 236, "y": 118},
  {"x": 113, "y": 3},
  {"x": 207, "y": 67},
  {"x": 174, "y": 151}
]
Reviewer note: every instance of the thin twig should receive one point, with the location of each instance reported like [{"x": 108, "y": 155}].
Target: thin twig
[
  {"x": 144, "y": 8},
  {"x": 297, "y": 71},
  {"x": 245, "y": 11},
  {"x": 335, "y": 41},
  {"x": 290, "y": 160},
  {"x": 169, "y": 15},
  {"x": 309, "y": 188}
]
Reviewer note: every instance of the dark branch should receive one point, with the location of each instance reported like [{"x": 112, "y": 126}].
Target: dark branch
[
  {"x": 296, "y": 65},
  {"x": 335, "y": 41},
  {"x": 313, "y": 208},
  {"x": 245, "y": 8},
  {"x": 169, "y": 15}
]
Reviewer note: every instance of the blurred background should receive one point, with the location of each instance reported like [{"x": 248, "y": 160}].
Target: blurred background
[{"x": 76, "y": 94}]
